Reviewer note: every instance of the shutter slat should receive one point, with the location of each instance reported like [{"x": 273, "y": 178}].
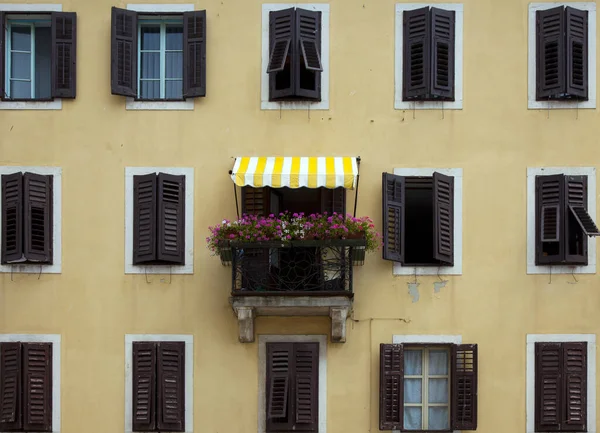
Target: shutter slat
[
  {"x": 333, "y": 200},
  {"x": 416, "y": 68},
  {"x": 123, "y": 62},
  {"x": 37, "y": 210},
  {"x": 311, "y": 55},
  {"x": 549, "y": 219},
  {"x": 171, "y": 386},
  {"x": 37, "y": 386},
  {"x": 393, "y": 216},
  {"x": 194, "y": 54},
  {"x": 550, "y": 54},
  {"x": 255, "y": 201},
  {"x": 442, "y": 54},
  {"x": 281, "y": 32},
  {"x": 171, "y": 218},
  {"x": 391, "y": 378},
  {"x": 144, "y": 386},
  {"x": 12, "y": 218},
  {"x": 548, "y": 386},
  {"x": 11, "y": 415},
  {"x": 306, "y": 359},
  {"x": 279, "y": 369},
  {"x": 464, "y": 387},
  {"x": 279, "y": 55},
  {"x": 576, "y": 242},
  {"x": 576, "y": 22},
  {"x": 443, "y": 218},
  {"x": 575, "y": 386},
  {"x": 307, "y": 43},
  {"x": 144, "y": 218},
  {"x": 64, "y": 52}
]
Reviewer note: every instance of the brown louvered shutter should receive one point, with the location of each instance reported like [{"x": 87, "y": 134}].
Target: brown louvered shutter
[
  {"x": 575, "y": 386},
  {"x": 307, "y": 54},
  {"x": 279, "y": 371},
  {"x": 548, "y": 386},
  {"x": 576, "y": 243},
  {"x": 333, "y": 200},
  {"x": 576, "y": 22},
  {"x": 171, "y": 386},
  {"x": 281, "y": 72},
  {"x": 144, "y": 386},
  {"x": 393, "y": 217},
  {"x": 37, "y": 386},
  {"x": 123, "y": 62},
  {"x": 391, "y": 383},
  {"x": 144, "y": 218},
  {"x": 464, "y": 387},
  {"x": 416, "y": 54},
  {"x": 443, "y": 218},
  {"x": 11, "y": 385},
  {"x": 37, "y": 210},
  {"x": 2, "y": 54},
  {"x": 255, "y": 201},
  {"x": 549, "y": 219},
  {"x": 12, "y": 218},
  {"x": 64, "y": 52},
  {"x": 171, "y": 218},
  {"x": 442, "y": 54},
  {"x": 550, "y": 53},
  {"x": 306, "y": 386},
  {"x": 194, "y": 54}
]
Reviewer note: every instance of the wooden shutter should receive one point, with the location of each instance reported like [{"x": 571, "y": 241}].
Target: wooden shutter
[
  {"x": 144, "y": 218},
  {"x": 333, "y": 200},
  {"x": 281, "y": 32},
  {"x": 550, "y": 53},
  {"x": 416, "y": 49},
  {"x": 443, "y": 218},
  {"x": 391, "y": 383},
  {"x": 171, "y": 218},
  {"x": 255, "y": 201},
  {"x": 11, "y": 385},
  {"x": 123, "y": 62},
  {"x": 577, "y": 52},
  {"x": 64, "y": 53},
  {"x": 576, "y": 243},
  {"x": 12, "y": 217},
  {"x": 37, "y": 387},
  {"x": 308, "y": 38},
  {"x": 442, "y": 54},
  {"x": 548, "y": 386},
  {"x": 575, "y": 386},
  {"x": 393, "y": 217},
  {"x": 37, "y": 210},
  {"x": 464, "y": 387},
  {"x": 144, "y": 386},
  {"x": 279, "y": 371},
  {"x": 171, "y": 386},
  {"x": 194, "y": 54},
  {"x": 306, "y": 389},
  {"x": 549, "y": 217},
  {"x": 2, "y": 55}
]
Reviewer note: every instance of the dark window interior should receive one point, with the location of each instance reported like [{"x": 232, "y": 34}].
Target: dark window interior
[
  {"x": 308, "y": 78},
  {"x": 550, "y": 248},
  {"x": 283, "y": 79},
  {"x": 307, "y": 200},
  {"x": 576, "y": 240}
]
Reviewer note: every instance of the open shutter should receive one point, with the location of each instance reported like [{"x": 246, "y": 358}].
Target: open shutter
[
  {"x": 144, "y": 386},
  {"x": 144, "y": 218},
  {"x": 548, "y": 386},
  {"x": 416, "y": 54},
  {"x": 171, "y": 386},
  {"x": 442, "y": 54},
  {"x": 306, "y": 389},
  {"x": 577, "y": 52},
  {"x": 37, "y": 386},
  {"x": 11, "y": 415},
  {"x": 333, "y": 200},
  {"x": 443, "y": 218},
  {"x": 575, "y": 386},
  {"x": 279, "y": 387},
  {"x": 255, "y": 201},
  {"x": 194, "y": 54},
  {"x": 307, "y": 54},
  {"x": 281, "y": 34},
  {"x": 171, "y": 218},
  {"x": 576, "y": 242},
  {"x": 391, "y": 386},
  {"x": 12, "y": 218},
  {"x": 464, "y": 387},
  {"x": 64, "y": 52},
  {"x": 549, "y": 219},
  {"x": 393, "y": 217},
  {"x": 3, "y": 93},
  {"x": 37, "y": 209},
  {"x": 550, "y": 53},
  {"x": 123, "y": 62}
]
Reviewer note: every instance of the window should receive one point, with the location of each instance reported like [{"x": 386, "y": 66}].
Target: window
[
  {"x": 267, "y": 200},
  {"x": 429, "y": 387}
]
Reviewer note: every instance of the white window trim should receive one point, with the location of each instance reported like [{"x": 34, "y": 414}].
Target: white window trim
[
  {"x": 56, "y": 104},
  {"x": 323, "y": 104},
  {"x": 532, "y": 172},
  {"x": 188, "y": 381},
  {"x": 131, "y": 103},
  {"x": 591, "y": 370},
  {"x": 54, "y": 339},
  {"x": 262, "y": 374},
  {"x": 457, "y": 174},
  {"x": 56, "y": 266},
  {"x": 532, "y": 104},
  {"x": 457, "y": 104},
  {"x": 188, "y": 268}
]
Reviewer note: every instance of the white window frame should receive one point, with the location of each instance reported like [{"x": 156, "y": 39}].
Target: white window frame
[
  {"x": 262, "y": 375},
  {"x": 323, "y": 104},
  {"x": 532, "y": 104},
  {"x": 457, "y": 104},
  {"x": 591, "y": 371},
  {"x": 188, "y": 268},
  {"x": 131, "y": 103},
  {"x": 188, "y": 380},
  {"x": 55, "y": 340},
  {"x": 55, "y": 104},
  {"x": 56, "y": 266},
  {"x": 457, "y": 174},
  {"x": 532, "y": 172}
]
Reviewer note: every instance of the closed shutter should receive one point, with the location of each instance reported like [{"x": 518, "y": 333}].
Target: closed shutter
[
  {"x": 577, "y": 52},
  {"x": 442, "y": 54},
  {"x": 255, "y": 201},
  {"x": 171, "y": 218},
  {"x": 306, "y": 357},
  {"x": 333, "y": 200},
  {"x": 548, "y": 386},
  {"x": 37, "y": 386},
  {"x": 550, "y": 53},
  {"x": 576, "y": 242},
  {"x": 416, "y": 66},
  {"x": 443, "y": 218},
  {"x": 307, "y": 54},
  {"x": 12, "y": 218},
  {"x": 37, "y": 209},
  {"x": 549, "y": 219},
  {"x": 144, "y": 386},
  {"x": 2, "y": 55},
  {"x": 391, "y": 391},
  {"x": 575, "y": 386},
  {"x": 144, "y": 218},
  {"x": 281, "y": 34},
  {"x": 11, "y": 385},
  {"x": 123, "y": 62},
  {"x": 464, "y": 387},
  {"x": 194, "y": 54},
  {"x": 171, "y": 386},
  {"x": 64, "y": 53},
  {"x": 279, "y": 371},
  {"x": 393, "y": 217}
]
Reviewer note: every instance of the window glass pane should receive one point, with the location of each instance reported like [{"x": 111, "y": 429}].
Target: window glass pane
[
  {"x": 438, "y": 418},
  {"x": 150, "y": 90},
  {"x": 150, "y": 65},
  {"x": 20, "y": 89},
  {"x": 438, "y": 362},
  {"x": 150, "y": 38},
  {"x": 174, "y": 89},
  {"x": 412, "y": 418},
  {"x": 412, "y": 362},
  {"x": 43, "y": 52},
  {"x": 174, "y": 37},
  {"x": 21, "y": 38},
  {"x": 174, "y": 65},
  {"x": 412, "y": 391},
  {"x": 438, "y": 390},
  {"x": 20, "y": 66}
]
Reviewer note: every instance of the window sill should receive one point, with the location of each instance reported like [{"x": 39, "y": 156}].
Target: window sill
[
  {"x": 17, "y": 268},
  {"x": 294, "y": 105},
  {"x": 428, "y": 105},
  {"x": 133, "y": 104},
  {"x": 31, "y": 105},
  {"x": 561, "y": 105},
  {"x": 159, "y": 269},
  {"x": 427, "y": 270}
]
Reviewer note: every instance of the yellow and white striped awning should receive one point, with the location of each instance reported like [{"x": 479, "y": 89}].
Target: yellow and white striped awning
[{"x": 295, "y": 172}]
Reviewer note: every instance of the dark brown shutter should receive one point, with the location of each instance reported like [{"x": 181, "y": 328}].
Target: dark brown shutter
[
  {"x": 11, "y": 385},
  {"x": 577, "y": 52},
  {"x": 64, "y": 53},
  {"x": 391, "y": 383},
  {"x": 575, "y": 386},
  {"x": 171, "y": 386},
  {"x": 393, "y": 217},
  {"x": 12, "y": 217},
  {"x": 279, "y": 369},
  {"x": 2, "y": 55},
  {"x": 306, "y": 358},
  {"x": 123, "y": 62},
  {"x": 443, "y": 218},
  {"x": 308, "y": 38},
  {"x": 194, "y": 54},
  {"x": 281, "y": 32},
  {"x": 576, "y": 242},
  {"x": 577, "y": 198},
  {"x": 37, "y": 386},
  {"x": 255, "y": 201},
  {"x": 549, "y": 218},
  {"x": 37, "y": 209},
  {"x": 144, "y": 386},
  {"x": 171, "y": 218},
  {"x": 279, "y": 55},
  {"x": 548, "y": 386},
  {"x": 144, "y": 218},
  {"x": 550, "y": 53},
  {"x": 464, "y": 387},
  {"x": 442, "y": 54},
  {"x": 333, "y": 200},
  {"x": 416, "y": 54}
]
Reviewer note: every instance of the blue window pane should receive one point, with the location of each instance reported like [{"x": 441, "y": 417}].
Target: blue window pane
[
  {"x": 174, "y": 65},
  {"x": 174, "y": 89},
  {"x": 412, "y": 391},
  {"x": 412, "y": 362},
  {"x": 150, "y": 38},
  {"x": 150, "y": 90},
  {"x": 20, "y": 89},
  {"x": 439, "y": 418},
  {"x": 174, "y": 38},
  {"x": 412, "y": 418},
  {"x": 150, "y": 65},
  {"x": 21, "y": 38},
  {"x": 438, "y": 390},
  {"x": 438, "y": 362},
  {"x": 20, "y": 66},
  {"x": 43, "y": 52}
]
